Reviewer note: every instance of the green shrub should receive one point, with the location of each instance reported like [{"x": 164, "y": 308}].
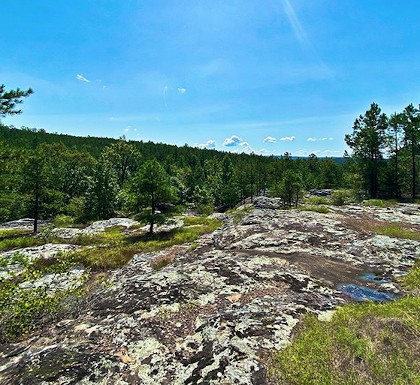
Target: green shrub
[
  {"x": 22, "y": 309},
  {"x": 10, "y": 233},
  {"x": 317, "y": 201},
  {"x": 204, "y": 209},
  {"x": 64, "y": 221},
  {"x": 379, "y": 202},
  {"x": 342, "y": 197},
  {"x": 20, "y": 242}
]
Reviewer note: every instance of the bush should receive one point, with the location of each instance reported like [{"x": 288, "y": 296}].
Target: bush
[
  {"x": 379, "y": 202},
  {"x": 204, "y": 209},
  {"x": 318, "y": 209},
  {"x": 342, "y": 197},
  {"x": 63, "y": 221},
  {"x": 317, "y": 200}
]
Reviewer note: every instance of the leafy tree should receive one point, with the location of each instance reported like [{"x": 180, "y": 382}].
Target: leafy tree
[
  {"x": 368, "y": 141},
  {"x": 10, "y": 99},
  {"x": 288, "y": 188},
  {"x": 153, "y": 193},
  {"x": 37, "y": 180},
  {"x": 124, "y": 158},
  {"x": 101, "y": 195},
  {"x": 229, "y": 185}
]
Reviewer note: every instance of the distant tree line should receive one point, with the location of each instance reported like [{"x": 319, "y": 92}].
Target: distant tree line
[{"x": 45, "y": 175}]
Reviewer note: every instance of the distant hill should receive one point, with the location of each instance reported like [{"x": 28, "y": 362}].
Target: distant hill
[{"x": 338, "y": 160}]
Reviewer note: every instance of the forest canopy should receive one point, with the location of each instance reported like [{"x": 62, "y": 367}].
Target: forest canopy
[{"x": 45, "y": 175}]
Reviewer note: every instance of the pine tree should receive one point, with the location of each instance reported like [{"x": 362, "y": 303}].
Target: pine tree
[{"x": 368, "y": 141}]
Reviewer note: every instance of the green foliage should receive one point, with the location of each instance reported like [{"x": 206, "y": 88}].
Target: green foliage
[
  {"x": 289, "y": 188},
  {"x": 342, "y": 197},
  {"x": 153, "y": 193},
  {"x": 10, "y": 99},
  {"x": 368, "y": 142},
  {"x": 397, "y": 230},
  {"x": 63, "y": 220},
  {"x": 379, "y": 202},
  {"x": 411, "y": 282},
  {"x": 317, "y": 208},
  {"x": 20, "y": 242},
  {"x": 123, "y": 158},
  {"x": 107, "y": 257},
  {"x": 7, "y": 233},
  {"x": 317, "y": 201},
  {"x": 363, "y": 344},
  {"x": 23, "y": 309},
  {"x": 102, "y": 192}
]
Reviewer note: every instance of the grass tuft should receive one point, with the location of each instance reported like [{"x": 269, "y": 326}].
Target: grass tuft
[
  {"x": 379, "y": 202},
  {"x": 396, "y": 230},
  {"x": 363, "y": 344},
  {"x": 106, "y": 257}
]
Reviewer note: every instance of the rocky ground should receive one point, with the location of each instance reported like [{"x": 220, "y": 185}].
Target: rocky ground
[{"x": 216, "y": 313}]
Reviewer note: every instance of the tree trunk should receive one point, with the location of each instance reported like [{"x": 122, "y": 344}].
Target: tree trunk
[
  {"x": 413, "y": 155},
  {"x": 36, "y": 203}
]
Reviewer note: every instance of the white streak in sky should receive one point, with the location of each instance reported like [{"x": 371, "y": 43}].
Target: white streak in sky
[
  {"x": 301, "y": 35},
  {"x": 82, "y": 78},
  {"x": 294, "y": 22}
]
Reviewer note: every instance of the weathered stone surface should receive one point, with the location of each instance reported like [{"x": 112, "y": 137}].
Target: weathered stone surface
[
  {"x": 24, "y": 224},
  {"x": 262, "y": 202},
  {"x": 47, "y": 251},
  {"x": 216, "y": 313}
]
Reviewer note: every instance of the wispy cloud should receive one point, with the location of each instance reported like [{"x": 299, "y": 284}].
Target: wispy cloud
[
  {"x": 288, "y": 139},
  {"x": 82, "y": 78},
  {"x": 319, "y": 139},
  {"x": 233, "y": 141},
  {"x": 182, "y": 90},
  {"x": 301, "y": 35},
  {"x": 294, "y": 22},
  {"x": 209, "y": 144},
  {"x": 269, "y": 139}
]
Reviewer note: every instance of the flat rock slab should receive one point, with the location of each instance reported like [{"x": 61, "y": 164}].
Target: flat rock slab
[{"x": 214, "y": 314}]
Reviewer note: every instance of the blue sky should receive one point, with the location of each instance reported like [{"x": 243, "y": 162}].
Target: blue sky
[{"x": 267, "y": 76}]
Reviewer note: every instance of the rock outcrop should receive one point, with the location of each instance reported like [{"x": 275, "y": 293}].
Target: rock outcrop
[{"x": 217, "y": 312}]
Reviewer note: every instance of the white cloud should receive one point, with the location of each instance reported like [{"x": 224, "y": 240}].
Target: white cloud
[
  {"x": 182, "y": 90},
  {"x": 269, "y": 139},
  {"x": 209, "y": 144},
  {"x": 82, "y": 78},
  {"x": 239, "y": 144},
  {"x": 232, "y": 141},
  {"x": 127, "y": 128},
  {"x": 288, "y": 139}
]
